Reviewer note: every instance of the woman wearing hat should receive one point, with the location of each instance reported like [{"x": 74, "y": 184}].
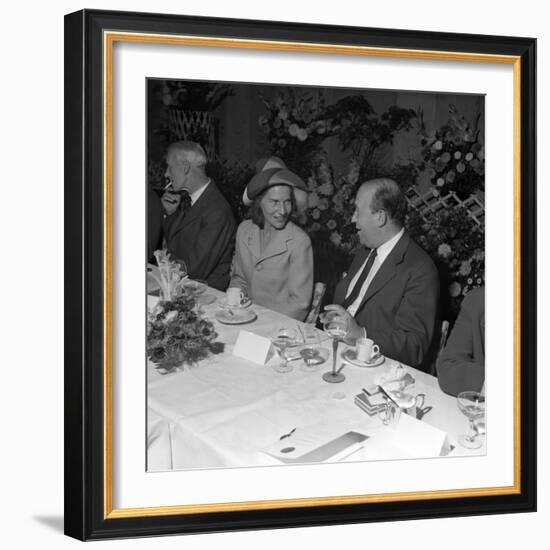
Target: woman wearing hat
[{"x": 273, "y": 262}]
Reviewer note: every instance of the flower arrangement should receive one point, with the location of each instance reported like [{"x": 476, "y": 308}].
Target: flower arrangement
[
  {"x": 177, "y": 334},
  {"x": 457, "y": 245},
  {"x": 193, "y": 96},
  {"x": 176, "y": 331},
  {"x": 331, "y": 205},
  {"x": 362, "y": 131},
  {"x": 451, "y": 158},
  {"x": 171, "y": 276},
  {"x": 295, "y": 125}
]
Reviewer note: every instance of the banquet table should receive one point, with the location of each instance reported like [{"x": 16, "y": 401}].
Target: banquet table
[{"x": 227, "y": 411}]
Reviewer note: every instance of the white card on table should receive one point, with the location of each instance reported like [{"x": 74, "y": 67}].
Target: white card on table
[{"x": 252, "y": 347}]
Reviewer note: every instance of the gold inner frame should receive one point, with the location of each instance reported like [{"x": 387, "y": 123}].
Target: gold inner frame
[{"x": 109, "y": 40}]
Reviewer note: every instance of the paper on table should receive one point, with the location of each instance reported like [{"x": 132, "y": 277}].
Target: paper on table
[
  {"x": 409, "y": 438},
  {"x": 315, "y": 444},
  {"x": 252, "y": 347}
]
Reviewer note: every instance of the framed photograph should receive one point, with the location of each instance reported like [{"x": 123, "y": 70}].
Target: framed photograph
[{"x": 300, "y": 274}]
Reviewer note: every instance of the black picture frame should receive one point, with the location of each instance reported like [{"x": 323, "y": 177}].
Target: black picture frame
[{"x": 87, "y": 513}]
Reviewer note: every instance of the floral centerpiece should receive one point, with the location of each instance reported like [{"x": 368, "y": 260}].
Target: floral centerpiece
[
  {"x": 457, "y": 245},
  {"x": 177, "y": 333}
]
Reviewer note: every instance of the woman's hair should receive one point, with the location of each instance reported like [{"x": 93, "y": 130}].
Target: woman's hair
[{"x": 255, "y": 211}]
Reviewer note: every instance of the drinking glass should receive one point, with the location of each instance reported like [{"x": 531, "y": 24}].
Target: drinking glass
[
  {"x": 336, "y": 327},
  {"x": 472, "y": 405},
  {"x": 197, "y": 287},
  {"x": 283, "y": 339}
]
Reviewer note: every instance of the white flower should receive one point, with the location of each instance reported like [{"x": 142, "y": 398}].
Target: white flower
[
  {"x": 326, "y": 189},
  {"x": 336, "y": 238},
  {"x": 444, "y": 250},
  {"x": 458, "y": 154},
  {"x": 435, "y": 192},
  {"x": 454, "y": 289},
  {"x": 283, "y": 114},
  {"x": 293, "y": 129},
  {"x": 315, "y": 214},
  {"x": 465, "y": 268},
  {"x": 440, "y": 182},
  {"x": 313, "y": 200},
  {"x": 460, "y": 167},
  {"x": 315, "y": 226},
  {"x": 331, "y": 224},
  {"x": 438, "y": 145},
  {"x": 323, "y": 204},
  {"x": 469, "y": 157},
  {"x": 302, "y": 134}
]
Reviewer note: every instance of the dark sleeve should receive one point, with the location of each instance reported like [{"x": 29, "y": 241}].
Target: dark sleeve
[
  {"x": 214, "y": 245},
  {"x": 456, "y": 369},
  {"x": 154, "y": 222},
  {"x": 414, "y": 322}
]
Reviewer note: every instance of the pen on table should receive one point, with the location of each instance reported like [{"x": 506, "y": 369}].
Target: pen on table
[{"x": 288, "y": 434}]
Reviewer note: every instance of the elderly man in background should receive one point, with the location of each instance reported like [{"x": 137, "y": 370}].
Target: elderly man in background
[
  {"x": 390, "y": 293},
  {"x": 199, "y": 227}
]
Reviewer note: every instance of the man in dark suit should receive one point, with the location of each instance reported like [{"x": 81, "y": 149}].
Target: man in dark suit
[
  {"x": 391, "y": 290},
  {"x": 199, "y": 227}
]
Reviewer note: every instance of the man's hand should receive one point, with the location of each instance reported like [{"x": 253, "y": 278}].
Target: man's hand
[
  {"x": 354, "y": 331},
  {"x": 170, "y": 202}
]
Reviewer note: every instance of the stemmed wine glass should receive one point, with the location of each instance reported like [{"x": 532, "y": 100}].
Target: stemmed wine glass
[
  {"x": 283, "y": 339},
  {"x": 196, "y": 287},
  {"x": 336, "y": 327},
  {"x": 472, "y": 405}
]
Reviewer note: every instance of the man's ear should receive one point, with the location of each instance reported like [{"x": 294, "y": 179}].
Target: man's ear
[{"x": 381, "y": 218}]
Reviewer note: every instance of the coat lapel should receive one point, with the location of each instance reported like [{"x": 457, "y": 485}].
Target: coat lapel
[
  {"x": 277, "y": 245},
  {"x": 194, "y": 212},
  {"x": 387, "y": 270}
]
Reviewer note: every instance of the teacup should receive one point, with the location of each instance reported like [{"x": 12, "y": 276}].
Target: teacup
[
  {"x": 235, "y": 297},
  {"x": 366, "y": 349}
]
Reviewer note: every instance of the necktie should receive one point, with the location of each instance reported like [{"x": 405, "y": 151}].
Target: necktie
[
  {"x": 183, "y": 207},
  {"x": 359, "y": 283}
]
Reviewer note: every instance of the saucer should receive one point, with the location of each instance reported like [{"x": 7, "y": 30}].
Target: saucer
[
  {"x": 245, "y": 304},
  {"x": 350, "y": 355},
  {"x": 236, "y": 316}
]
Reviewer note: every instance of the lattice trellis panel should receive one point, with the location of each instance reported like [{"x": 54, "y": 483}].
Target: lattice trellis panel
[
  {"x": 196, "y": 125},
  {"x": 428, "y": 203}
]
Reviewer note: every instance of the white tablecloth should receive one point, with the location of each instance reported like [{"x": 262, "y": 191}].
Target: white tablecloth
[{"x": 230, "y": 412}]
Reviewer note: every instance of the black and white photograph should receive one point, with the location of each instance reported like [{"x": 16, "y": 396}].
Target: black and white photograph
[{"x": 315, "y": 267}]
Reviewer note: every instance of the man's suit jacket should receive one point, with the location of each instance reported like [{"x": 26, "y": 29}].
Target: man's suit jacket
[
  {"x": 204, "y": 237},
  {"x": 154, "y": 222},
  {"x": 461, "y": 365},
  {"x": 279, "y": 277},
  {"x": 399, "y": 309}
]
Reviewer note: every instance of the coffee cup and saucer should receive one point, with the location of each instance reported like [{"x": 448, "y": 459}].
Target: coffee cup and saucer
[
  {"x": 235, "y": 298},
  {"x": 365, "y": 354}
]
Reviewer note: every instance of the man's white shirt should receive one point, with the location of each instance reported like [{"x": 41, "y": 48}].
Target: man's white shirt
[{"x": 382, "y": 252}]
